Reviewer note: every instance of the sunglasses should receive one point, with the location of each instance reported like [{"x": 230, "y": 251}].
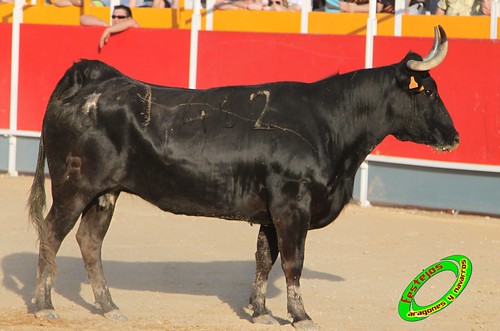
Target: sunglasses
[
  {"x": 270, "y": 3},
  {"x": 120, "y": 17}
]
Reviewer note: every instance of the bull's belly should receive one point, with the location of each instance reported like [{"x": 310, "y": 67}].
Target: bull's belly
[
  {"x": 193, "y": 207},
  {"x": 208, "y": 202}
]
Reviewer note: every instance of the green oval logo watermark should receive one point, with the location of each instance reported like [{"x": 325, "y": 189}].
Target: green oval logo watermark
[{"x": 461, "y": 266}]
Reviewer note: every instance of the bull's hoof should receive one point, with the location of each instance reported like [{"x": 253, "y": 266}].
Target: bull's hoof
[
  {"x": 306, "y": 325},
  {"x": 47, "y": 313},
  {"x": 115, "y": 315},
  {"x": 265, "y": 319}
]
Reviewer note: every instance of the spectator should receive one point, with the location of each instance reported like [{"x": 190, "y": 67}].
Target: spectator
[
  {"x": 135, "y": 3},
  {"x": 416, "y": 7},
  {"x": 283, "y": 5},
  {"x": 360, "y": 6},
  {"x": 318, "y": 5},
  {"x": 274, "y": 5},
  {"x": 239, "y": 4},
  {"x": 67, "y": 3},
  {"x": 332, "y": 6},
  {"x": 459, "y": 7},
  {"x": 121, "y": 20}
]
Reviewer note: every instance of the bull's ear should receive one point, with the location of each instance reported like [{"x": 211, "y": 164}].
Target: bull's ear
[
  {"x": 409, "y": 80},
  {"x": 411, "y": 83}
]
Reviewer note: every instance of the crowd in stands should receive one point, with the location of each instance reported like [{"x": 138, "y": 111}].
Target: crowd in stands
[
  {"x": 122, "y": 14},
  {"x": 437, "y": 7}
]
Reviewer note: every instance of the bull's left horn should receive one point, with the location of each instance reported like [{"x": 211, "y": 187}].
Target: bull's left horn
[{"x": 435, "y": 56}]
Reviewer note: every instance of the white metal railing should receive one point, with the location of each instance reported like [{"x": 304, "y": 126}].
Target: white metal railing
[
  {"x": 371, "y": 32},
  {"x": 19, "y": 133},
  {"x": 434, "y": 164},
  {"x": 17, "y": 19},
  {"x": 399, "y": 9},
  {"x": 209, "y": 21},
  {"x": 304, "y": 15},
  {"x": 363, "y": 169},
  {"x": 495, "y": 11},
  {"x": 193, "y": 50}
]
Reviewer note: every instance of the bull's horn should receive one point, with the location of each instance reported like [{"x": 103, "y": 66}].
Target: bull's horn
[{"x": 435, "y": 56}]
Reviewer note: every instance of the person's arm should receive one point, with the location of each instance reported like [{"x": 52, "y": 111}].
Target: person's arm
[
  {"x": 440, "y": 11},
  {"x": 294, "y": 8},
  {"x": 230, "y": 5},
  {"x": 158, "y": 4},
  {"x": 441, "y": 8},
  {"x": 67, "y": 3},
  {"x": 89, "y": 20},
  {"x": 275, "y": 7},
  {"x": 486, "y": 7},
  {"x": 115, "y": 28},
  {"x": 352, "y": 7}
]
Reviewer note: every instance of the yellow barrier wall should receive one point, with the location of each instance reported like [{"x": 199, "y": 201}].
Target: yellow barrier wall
[
  {"x": 257, "y": 21},
  {"x": 455, "y": 26},
  {"x": 260, "y": 21}
]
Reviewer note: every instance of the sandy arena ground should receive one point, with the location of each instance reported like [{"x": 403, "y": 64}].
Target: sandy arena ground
[{"x": 169, "y": 272}]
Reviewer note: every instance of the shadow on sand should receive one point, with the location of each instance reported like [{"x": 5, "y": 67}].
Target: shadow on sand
[{"x": 194, "y": 278}]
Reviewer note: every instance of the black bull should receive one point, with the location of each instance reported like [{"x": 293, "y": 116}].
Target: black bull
[{"x": 282, "y": 155}]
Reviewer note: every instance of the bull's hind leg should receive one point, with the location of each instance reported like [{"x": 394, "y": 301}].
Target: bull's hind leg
[
  {"x": 57, "y": 224},
  {"x": 267, "y": 252},
  {"x": 93, "y": 227}
]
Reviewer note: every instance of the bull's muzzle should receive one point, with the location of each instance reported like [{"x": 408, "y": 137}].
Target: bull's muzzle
[{"x": 449, "y": 147}]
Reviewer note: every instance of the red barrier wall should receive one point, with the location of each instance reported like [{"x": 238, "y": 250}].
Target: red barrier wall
[
  {"x": 156, "y": 56},
  {"x": 231, "y": 58},
  {"x": 5, "y": 59},
  {"x": 468, "y": 79}
]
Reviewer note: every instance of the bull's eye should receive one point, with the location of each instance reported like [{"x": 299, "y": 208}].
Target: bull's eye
[{"x": 428, "y": 92}]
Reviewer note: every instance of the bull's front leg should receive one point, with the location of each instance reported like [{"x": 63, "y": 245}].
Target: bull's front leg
[
  {"x": 266, "y": 255},
  {"x": 292, "y": 229}
]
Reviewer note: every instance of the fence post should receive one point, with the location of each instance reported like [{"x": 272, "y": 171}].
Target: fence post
[
  {"x": 398, "y": 17},
  {"x": 210, "y": 15},
  {"x": 495, "y": 8},
  {"x": 193, "y": 51},
  {"x": 363, "y": 186},
  {"x": 17, "y": 19},
  {"x": 304, "y": 16},
  {"x": 371, "y": 31}
]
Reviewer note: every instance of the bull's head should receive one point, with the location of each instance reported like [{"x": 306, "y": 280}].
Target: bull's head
[{"x": 429, "y": 122}]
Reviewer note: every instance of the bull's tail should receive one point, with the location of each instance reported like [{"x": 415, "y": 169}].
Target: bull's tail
[
  {"x": 37, "y": 205},
  {"x": 67, "y": 87}
]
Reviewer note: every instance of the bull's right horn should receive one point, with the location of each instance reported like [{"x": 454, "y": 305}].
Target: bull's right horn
[{"x": 435, "y": 56}]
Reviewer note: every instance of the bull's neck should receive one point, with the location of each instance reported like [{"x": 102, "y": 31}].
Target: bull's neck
[{"x": 359, "y": 118}]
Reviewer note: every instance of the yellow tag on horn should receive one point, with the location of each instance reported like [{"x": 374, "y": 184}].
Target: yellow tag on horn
[{"x": 413, "y": 84}]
